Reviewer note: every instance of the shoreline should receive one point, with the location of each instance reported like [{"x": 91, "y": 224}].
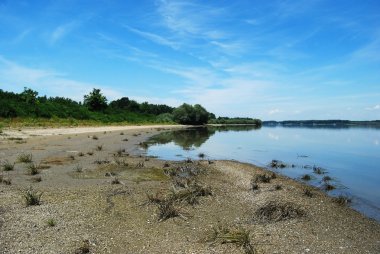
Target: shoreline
[{"x": 113, "y": 218}]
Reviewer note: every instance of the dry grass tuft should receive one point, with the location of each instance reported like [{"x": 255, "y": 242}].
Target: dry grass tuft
[
  {"x": 234, "y": 235},
  {"x": 25, "y": 158},
  {"x": 274, "y": 211}
]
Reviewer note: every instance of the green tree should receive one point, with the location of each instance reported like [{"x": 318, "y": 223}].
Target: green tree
[
  {"x": 188, "y": 114},
  {"x": 95, "y": 100},
  {"x": 29, "y": 96}
]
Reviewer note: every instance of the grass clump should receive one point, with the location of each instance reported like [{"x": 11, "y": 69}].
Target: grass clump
[
  {"x": 115, "y": 181},
  {"x": 99, "y": 147},
  {"x": 7, "y": 166},
  {"x": 25, "y": 158},
  {"x": 85, "y": 248},
  {"x": 306, "y": 177},
  {"x": 51, "y": 222},
  {"x": 328, "y": 187},
  {"x": 254, "y": 185},
  {"x": 232, "y": 235},
  {"x": 78, "y": 168},
  {"x": 37, "y": 179},
  {"x": 191, "y": 194},
  {"x": 167, "y": 210},
  {"x": 90, "y": 153},
  {"x": 318, "y": 170},
  {"x": 277, "y": 164},
  {"x": 80, "y": 154},
  {"x": 274, "y": 211},
  {"x": 6, "y": 181},
  {"x": 326, "y": 178},
  {"x": 263, "y": 178},
  {"x": 308, "y": 193},
  {"x": 95, "y": 137},
  {"x": 32, "y": 197},
  {"x": 342, "y": 200},
  {"x": 33, "y": 169},
  {"x": 278, "y": 187}
]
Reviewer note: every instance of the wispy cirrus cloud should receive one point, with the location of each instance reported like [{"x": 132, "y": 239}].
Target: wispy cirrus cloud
[
  {"x": 15, "y": 77},
  {"x": 61, "y": 31},
  {"x": 154, "y": 37}
]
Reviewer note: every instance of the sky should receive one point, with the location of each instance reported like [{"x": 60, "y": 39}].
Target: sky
[{"x": 273, "y": 60}]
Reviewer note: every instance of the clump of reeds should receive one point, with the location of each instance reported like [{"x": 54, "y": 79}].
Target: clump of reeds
[
  {"x": 7, "y": 166},
  {"x": 85, "y": 248},
  {"x": 232, "y": 235},
  {"x": 32, "y": 197},
  {"x": 328, "y": 187},
  {"x": 326, "y": 178},
  {"x": 277, "y": 164},
  {"x": 274, "y": 211},
  {"x": 306, "y": 177},
  {"x": 308, "y": 193},
  {"x": 33, "y": 169},
  {"x": 342, "y": 200},
  {"x": 25, "y": 158},
  {"x": 167, "y": 210},
  {"x": 115, "y": 181}
]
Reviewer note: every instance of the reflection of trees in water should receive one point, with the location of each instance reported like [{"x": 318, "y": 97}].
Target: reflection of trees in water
[{"x": 194, "y": 137}]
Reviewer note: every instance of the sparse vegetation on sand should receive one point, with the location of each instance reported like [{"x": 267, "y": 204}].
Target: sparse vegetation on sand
[
  {"x": 32, "y": 169},
  {"x": 32, "y": 197},
  {"x": 25, "y": 158},
  {"x": 232, "y": 235},
  {"x": 274, "y": 211},
  {"x": 342, "y": 200},
  {"x": 7, "y": 166}
]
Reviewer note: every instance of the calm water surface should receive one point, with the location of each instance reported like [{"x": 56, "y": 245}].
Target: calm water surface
[{"x": 351, "y": 156}]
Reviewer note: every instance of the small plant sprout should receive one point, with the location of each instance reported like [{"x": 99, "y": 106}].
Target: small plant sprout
[
  {"x": 78, "y": 168},
  {"x": 99, "y": 147},
  {"x": 32, "y": 197},
  {"x": 51, "y": 222},
  {"x": 25, "y": 158}
]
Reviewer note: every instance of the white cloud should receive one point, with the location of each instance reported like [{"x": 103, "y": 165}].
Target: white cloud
[
  {"x": 274, "y": 111},
  {"x": 14, "y": 77},
  {"x": 376, "y": 107}
]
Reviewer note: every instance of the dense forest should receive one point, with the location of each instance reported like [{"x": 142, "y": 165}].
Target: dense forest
[{"x": 96, "y": 108}]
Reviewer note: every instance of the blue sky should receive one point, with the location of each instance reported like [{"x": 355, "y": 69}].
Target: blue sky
[{"x": 278, "y": 59}]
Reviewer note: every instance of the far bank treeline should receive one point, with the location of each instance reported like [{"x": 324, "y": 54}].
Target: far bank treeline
[{"x": 95, "y": 107}]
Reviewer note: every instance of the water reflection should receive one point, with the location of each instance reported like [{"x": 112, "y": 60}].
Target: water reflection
[
  {"x": 350, "y": 156},
  {"x": 191, "y": 138}
]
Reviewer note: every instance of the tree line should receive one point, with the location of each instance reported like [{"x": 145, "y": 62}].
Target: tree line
[{"x": 95, "y": 106}]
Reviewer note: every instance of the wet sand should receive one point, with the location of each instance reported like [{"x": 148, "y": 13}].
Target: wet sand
[{"x": 78, "y": 165}]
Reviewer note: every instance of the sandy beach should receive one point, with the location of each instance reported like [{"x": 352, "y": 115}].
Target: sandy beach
[{"x": 102, "y": 194}]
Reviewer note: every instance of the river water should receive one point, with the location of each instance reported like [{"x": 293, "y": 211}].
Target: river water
[{"x": 350, "y": 156}]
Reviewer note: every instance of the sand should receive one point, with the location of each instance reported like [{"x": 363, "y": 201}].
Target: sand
[{"x": 90, "y": 212}]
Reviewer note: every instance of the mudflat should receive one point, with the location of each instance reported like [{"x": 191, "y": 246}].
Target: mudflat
[{"x": 96, "y": 191}]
